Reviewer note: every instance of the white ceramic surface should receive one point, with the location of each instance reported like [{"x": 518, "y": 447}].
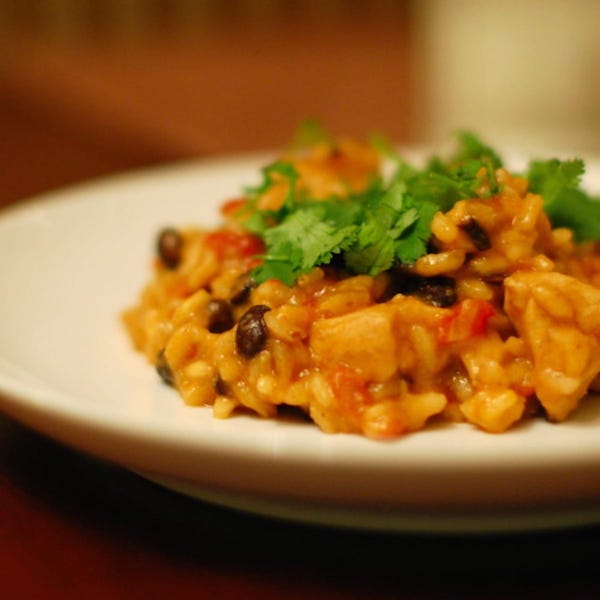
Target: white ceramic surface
[{"x": 71, "y": 261}]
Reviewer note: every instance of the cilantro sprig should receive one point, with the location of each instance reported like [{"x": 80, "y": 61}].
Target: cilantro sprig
[
  {"x": 306, "y": 237},
  {"x": 393, "y": 228},
  {"x": 567, "y": 205},
  {"x": 389, "y": 222}
]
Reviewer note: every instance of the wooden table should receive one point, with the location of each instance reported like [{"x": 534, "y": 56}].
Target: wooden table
[{"x": 72, "y": 526}]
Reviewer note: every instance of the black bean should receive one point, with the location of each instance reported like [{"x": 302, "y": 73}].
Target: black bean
[
  {"x": 241, "y": 289},
  {"x": 220, "y": 386},
  {"x": 478, "y": 235},
  {"x": 437, "y": 291},
  {"x": 169, "y": 247},
  {"x": 220, "y": 316},
  {"x": 251, "y": 335},
  {"x": 164, "y": 370}
]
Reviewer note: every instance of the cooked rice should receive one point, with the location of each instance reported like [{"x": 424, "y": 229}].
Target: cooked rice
[{"x": 352, "y": 354}]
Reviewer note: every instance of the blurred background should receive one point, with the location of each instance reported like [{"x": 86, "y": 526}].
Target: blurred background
[{"x": 90, "y": 87}]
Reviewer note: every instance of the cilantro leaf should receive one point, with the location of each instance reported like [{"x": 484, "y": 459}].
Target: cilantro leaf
[
  {"x": 389, "y": 222},
  {"x": 258, "y": 221},
  {"x": 384, "y": 146},
  {"x": 469, "y": 171},
  {"x": 567, "y": 205},
  {"x": 305, "y": 238},
  {"x": 310, "y": 132},
  {"x": 372, "y": 231},
  {"x": 370, "y": 234},
  {"x": 550, "y": 178},
  {"x": 412, "y": 244},
  {"x": 274, "y": 268},
  {"x": 270, "y": 175},
  {"x": 383, "y": 223},
  {"x": 471, "y": 147}
]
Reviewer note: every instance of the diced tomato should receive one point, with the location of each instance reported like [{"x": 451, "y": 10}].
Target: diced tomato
[
  {"x": 351, "y": 392},
  {"x": 466, "y": 320},
  {"x": 233, "y": 244}
]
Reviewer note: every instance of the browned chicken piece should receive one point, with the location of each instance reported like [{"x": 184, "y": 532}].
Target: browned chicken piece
[
  {"x": 364, "y": 340},
  {"x": 559, "y": 319},
  {"x": 396, "y": 337}
]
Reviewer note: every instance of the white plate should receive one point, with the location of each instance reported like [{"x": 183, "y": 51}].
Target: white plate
[{"x": 70, "y": 262}]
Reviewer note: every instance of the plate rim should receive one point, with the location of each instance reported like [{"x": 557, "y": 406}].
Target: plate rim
[{"x": 30, "y": 404}]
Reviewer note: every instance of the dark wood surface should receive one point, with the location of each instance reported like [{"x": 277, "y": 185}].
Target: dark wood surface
[{"x": 72, "y": 526}]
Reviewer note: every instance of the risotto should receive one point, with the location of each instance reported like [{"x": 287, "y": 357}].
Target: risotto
[{"x": 374, "y": 300}]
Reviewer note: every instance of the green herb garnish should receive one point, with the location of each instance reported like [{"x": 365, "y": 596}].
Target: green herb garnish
[
  {"x": 389, "y": 222},
  {"x": 310, "y": 132},
  {"x": 567, "y": 205},
  {"x": 308, "y": 236}
]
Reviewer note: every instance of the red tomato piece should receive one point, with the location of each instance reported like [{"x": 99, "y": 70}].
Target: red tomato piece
[
  {"x": 351, "y": 392},
  {"x": 466, "y": 320},
  {"x": 233, "y": 244}
]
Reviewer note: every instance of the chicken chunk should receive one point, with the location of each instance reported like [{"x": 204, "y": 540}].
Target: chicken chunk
[
  {"x": 363, "y": 340},
  {"x": 558, "y": 317}
]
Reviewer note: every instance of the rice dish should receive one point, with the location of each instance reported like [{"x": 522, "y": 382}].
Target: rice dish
[{"x": 371, "y": 296}]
